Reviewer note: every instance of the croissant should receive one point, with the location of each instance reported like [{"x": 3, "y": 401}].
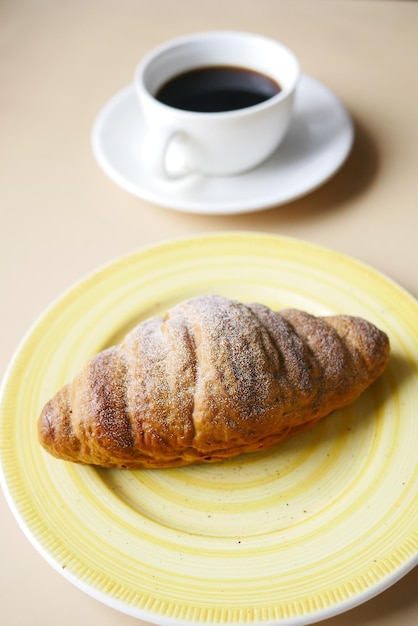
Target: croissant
[{"x": 210, "y": 379}]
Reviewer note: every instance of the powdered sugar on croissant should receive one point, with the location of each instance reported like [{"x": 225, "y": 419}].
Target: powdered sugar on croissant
[{"x": 211, "y": 379}]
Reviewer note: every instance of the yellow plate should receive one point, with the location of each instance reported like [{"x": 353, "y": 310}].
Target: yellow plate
[{"x": 291, "y": 535}]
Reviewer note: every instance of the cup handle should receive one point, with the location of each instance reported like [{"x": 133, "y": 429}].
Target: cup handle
[{"x": 165, "y": 153}]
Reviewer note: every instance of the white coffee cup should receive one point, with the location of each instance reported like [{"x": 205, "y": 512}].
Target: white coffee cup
[{"x": 178, "y": 142}]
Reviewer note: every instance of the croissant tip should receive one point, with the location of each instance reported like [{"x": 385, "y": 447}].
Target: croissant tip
[
  {"x": 46, "y": 421},
  {"x": 54, "y": 425}
]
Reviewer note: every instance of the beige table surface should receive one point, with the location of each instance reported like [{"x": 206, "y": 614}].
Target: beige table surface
[{"x": 61, "y": 217}]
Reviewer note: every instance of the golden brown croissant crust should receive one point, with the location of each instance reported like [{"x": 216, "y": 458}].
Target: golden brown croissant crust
[{"x": 211, "y": 379}]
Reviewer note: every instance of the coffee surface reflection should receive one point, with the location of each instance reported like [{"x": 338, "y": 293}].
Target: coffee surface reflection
[{"x": 215, "y": 89}]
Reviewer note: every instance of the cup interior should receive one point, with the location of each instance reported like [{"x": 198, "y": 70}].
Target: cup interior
[{"x": 223, "y": 48}]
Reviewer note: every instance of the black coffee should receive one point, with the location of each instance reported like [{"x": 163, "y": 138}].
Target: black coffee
[{"x": 217, "y": 88}]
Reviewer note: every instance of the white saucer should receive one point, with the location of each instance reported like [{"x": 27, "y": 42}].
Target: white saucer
[{"x": 318, "y": 142}]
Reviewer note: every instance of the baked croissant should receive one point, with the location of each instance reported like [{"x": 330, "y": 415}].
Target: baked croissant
[{"x": 211, "y": 379}]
